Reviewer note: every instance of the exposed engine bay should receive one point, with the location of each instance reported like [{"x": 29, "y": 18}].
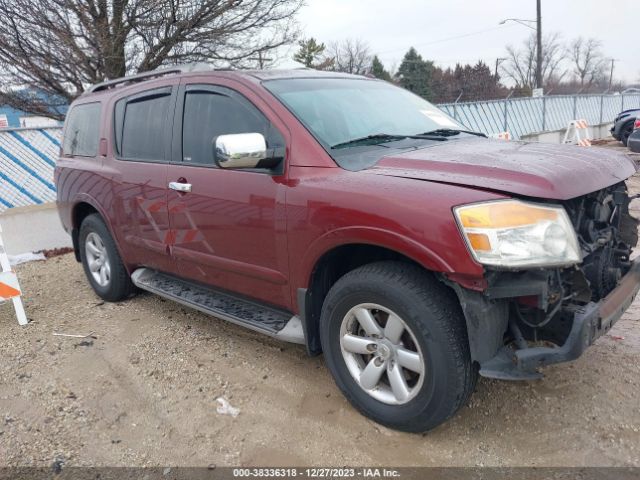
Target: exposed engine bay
[
  {"x": 607, "y": 234},
  {"x": 527, "y": 313}
]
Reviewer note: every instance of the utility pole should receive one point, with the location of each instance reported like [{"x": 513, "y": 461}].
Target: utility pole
[
  {"x": 262, "y": 61},
  {"x": 613, "y": 60},
  {"x": 539, "y": 49},
  {"x": 498, "y": 62}
]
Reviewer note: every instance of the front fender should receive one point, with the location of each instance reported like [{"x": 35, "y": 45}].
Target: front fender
[{"x": 366, "y": 235}]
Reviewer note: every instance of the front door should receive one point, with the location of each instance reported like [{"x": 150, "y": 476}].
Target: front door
[{"x": 228, "y": 227}]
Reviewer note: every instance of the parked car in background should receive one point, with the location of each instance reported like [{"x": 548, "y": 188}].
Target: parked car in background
[
  {"x": 623, "y": 125},
  {"x": 353, "y": 217},
  {"x": 634, "y": 139}
]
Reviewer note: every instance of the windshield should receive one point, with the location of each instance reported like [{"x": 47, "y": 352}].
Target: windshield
[{"x": 338, "y": 111}]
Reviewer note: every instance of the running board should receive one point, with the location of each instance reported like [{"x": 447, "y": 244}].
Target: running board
[{"x": 253, "y": 315}]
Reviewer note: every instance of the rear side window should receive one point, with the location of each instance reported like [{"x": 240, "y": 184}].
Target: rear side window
[
  {"x": 208, "y": 115},
  {"x": 141, "y": 125},
  {"x": 82, "y": 131}
]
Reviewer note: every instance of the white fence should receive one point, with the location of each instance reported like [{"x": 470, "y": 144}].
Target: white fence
[{"x": 523, "y": 116}]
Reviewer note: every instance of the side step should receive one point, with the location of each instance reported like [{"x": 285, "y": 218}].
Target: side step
[{"x": 253, "y": 315}]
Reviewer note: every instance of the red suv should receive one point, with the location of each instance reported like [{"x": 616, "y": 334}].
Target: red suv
[{"x": 353, "y": 217}]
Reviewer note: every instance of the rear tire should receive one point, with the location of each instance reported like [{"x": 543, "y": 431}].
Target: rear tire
[
  {"x": 101, "y": 261},
  {"x": 434, "y": 331}
]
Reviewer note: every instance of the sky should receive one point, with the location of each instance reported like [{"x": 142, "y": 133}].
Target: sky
[{"x": 391, "y": 26}]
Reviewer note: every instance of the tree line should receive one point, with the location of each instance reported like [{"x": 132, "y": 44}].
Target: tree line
[
  {"x": 51, "y": 51},
  {"x": 576, "y": 67}
]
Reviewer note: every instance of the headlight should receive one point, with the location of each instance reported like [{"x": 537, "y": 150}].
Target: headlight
[{"x": 511, "y": 233}]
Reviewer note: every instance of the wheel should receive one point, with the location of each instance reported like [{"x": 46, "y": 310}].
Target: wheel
[
  {"x": 625, "y": 132},
  {"x": 101, "y": 261},
  {"x": 395, "y": 340}
]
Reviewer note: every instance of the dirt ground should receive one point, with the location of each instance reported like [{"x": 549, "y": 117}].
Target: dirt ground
[{"x": 143, "y": 393}]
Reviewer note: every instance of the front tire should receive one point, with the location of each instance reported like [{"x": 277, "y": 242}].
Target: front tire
[
  {"x": 101, "y": 261},
  {"x": 395, "y": 340}
]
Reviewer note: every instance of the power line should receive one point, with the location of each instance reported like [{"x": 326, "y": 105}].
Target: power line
[{"x": 479, "y": 32}]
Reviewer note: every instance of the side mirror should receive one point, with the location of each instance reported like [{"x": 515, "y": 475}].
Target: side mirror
[{"x": 240, "y": 150}]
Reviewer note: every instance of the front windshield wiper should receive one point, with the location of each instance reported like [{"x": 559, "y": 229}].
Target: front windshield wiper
[
  {"x": 378, "y": 138},
  {"x": 449, "y": 132}
]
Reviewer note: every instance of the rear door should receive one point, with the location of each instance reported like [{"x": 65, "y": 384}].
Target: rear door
[
  {"x": 142, "y": 146},
  {"x": 229, "y": 230}
]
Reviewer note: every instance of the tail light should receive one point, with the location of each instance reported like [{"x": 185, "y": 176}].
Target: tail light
[{"x": 636, "y": 124}]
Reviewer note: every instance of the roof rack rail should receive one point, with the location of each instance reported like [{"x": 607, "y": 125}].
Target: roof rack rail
[{"x": 159, "y": 72}]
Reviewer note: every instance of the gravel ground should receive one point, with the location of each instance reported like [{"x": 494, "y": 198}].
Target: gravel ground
[{"x": 143, "y": 392}]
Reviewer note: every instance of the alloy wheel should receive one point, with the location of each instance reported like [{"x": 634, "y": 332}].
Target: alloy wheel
[
  {"x": 382, "y": 354},
  {"x": 98, "y": 259}
]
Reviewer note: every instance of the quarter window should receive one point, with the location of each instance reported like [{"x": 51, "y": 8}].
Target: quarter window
[{"x": 82, "y": 130}]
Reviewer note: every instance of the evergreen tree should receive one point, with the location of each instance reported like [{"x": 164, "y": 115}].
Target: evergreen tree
[
  {"x": 310, "y": 54},
  {"x": 415, "y": 74},
  {"x": 378, "y": 70},
  {"x": 475, "y": 82}
]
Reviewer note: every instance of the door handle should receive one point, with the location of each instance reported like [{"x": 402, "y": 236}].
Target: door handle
[{"x": 180, "y": 187}]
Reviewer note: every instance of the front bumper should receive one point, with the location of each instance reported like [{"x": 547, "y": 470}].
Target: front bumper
[{"x": 592, "y": 321}]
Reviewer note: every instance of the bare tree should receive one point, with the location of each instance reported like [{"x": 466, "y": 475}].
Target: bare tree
[
  {"x": 588, "y": 61},
  {"x": 57, "y": 48},
  {"x": 350, "y": 56},
  {"x": 520, "y": 65}
]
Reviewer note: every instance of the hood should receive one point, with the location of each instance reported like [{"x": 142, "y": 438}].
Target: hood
[{"x": 551, "y": 171}]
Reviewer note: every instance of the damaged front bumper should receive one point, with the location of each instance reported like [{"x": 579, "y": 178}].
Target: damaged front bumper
[{"x": 589, "y": 322}]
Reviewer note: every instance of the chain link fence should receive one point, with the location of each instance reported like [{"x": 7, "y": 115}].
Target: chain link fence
[{"x": 523, "y": 116}]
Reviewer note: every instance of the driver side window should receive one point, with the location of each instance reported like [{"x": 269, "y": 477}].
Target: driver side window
[{"x": 209, "y": 114}]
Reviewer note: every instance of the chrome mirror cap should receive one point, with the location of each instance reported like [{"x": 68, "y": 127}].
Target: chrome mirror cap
[{"x": 240, "y": 150}]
